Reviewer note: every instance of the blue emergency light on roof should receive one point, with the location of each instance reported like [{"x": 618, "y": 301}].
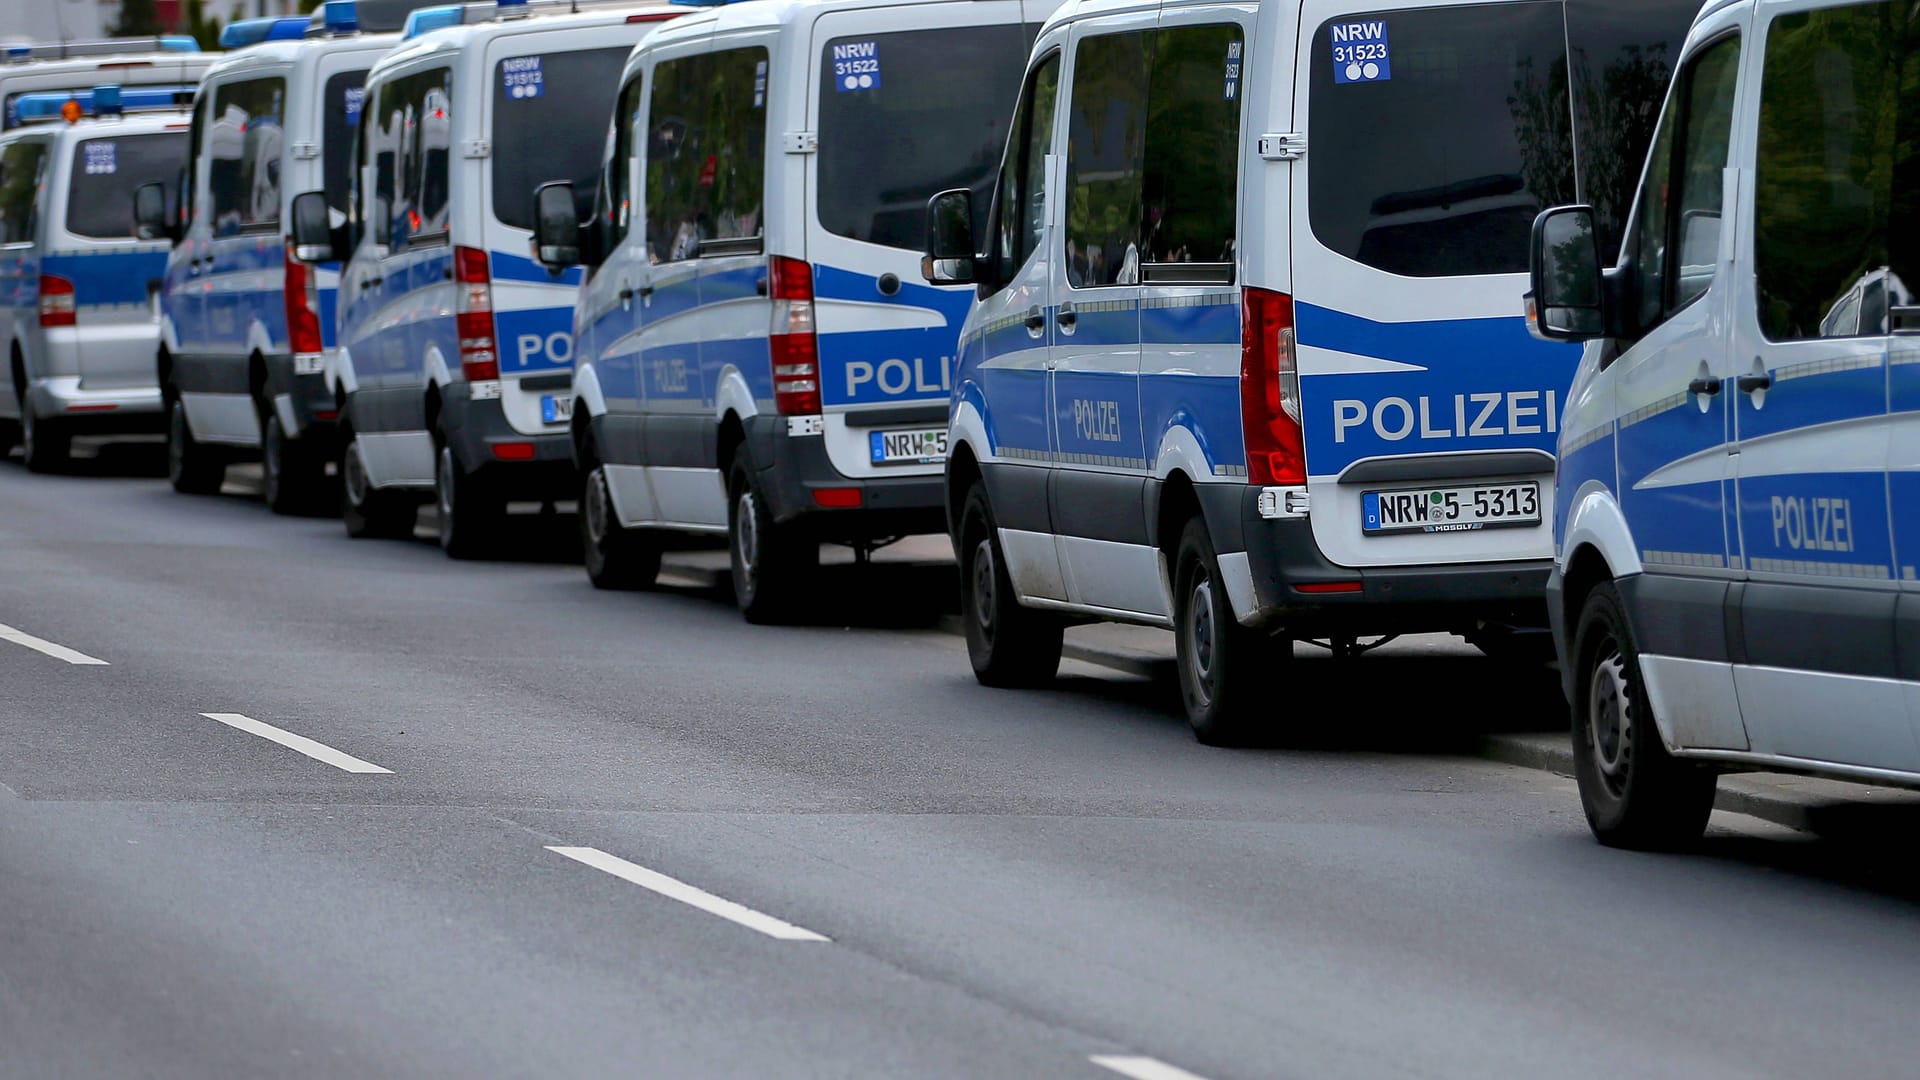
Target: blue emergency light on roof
[
  {"x": 340, "y": 16},
  {"x": 178, "y": 43},
  {"x": 106, "y": 100},
  {"x": 245, "y": 32},
  {"x": 19, "y": 53},
  {"x": 427, "y": 19},
  {"x": 46, "y": 105}
]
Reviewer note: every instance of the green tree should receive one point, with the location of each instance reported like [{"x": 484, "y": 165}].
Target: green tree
[
  {"x": 204, "y": 28},
  {"x": 137, "y": 19}
]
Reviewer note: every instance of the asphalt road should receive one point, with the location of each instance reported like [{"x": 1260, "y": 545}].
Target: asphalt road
[{"x": 814, "y": 851}]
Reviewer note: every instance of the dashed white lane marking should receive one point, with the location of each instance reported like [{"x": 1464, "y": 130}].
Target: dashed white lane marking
[
  {"x": 42, "y": 645},
  {"x": 687, "y": 894},
  {"x": 315, "y": 750},
  {"x": 1141, "y": 1068}
]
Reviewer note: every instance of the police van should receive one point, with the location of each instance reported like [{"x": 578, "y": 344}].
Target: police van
[
  {"x": 757, "y": 355},
  {"x": 76, "y": 67},
  {"x": 77, "y": 286},
  {"x": 1246, "y": 360},
  {"x": 456, "y": 348},
  {"x": 1738, "y": 506},
  {"x": 246, "y": 327}
]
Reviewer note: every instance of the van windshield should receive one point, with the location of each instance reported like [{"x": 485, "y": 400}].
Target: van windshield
[
  {"x": 550, "y": 123},
  {"x": 1437, "y": 136},
  {"x": 906, "y": 115},
  {"x": 106, "y": 173},
  {"x": 344, "y": 98}
]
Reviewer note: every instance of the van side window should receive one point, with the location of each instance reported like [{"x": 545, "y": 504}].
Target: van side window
[
  {"x": 1824, "y": 180},
  {"x": 19, "y": 182},
  {"x": 383, "y": 212},
  {"x": 1677, "y": 233},
  {"x": 429, "y": 154},
  {"x": 617, "y": 202},
  {"x": 1192, "y": 171},
  {"x": 1106, "y": 153},
  {"x": 706, "y": 153},
  {"x": 243, "y": 144},
  {"x": 342, "y": 104},
  {"x": 1022, "y": 209}
]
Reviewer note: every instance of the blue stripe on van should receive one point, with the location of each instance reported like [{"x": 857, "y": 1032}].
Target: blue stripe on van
[
  {"x": 118, "y": 277},
  {"x": 1423, "y": 344},
  {"x": 505, "y": 267}
]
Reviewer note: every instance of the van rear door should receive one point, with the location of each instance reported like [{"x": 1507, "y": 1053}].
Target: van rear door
[
  {"x": 904, "y": 102},
  {"x": 1436, "y": 132}
]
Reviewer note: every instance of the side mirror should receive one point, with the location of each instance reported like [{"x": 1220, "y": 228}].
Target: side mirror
[
  {"x": 950, "y": 258},
  {"x": 150, "y": 212},
  {"x": 1566, "y": 301},
  {"x": 312, "y": 228},
  {"x": 556, "y": 226}
]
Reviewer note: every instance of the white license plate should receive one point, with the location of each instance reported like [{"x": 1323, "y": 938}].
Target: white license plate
[
  {"x": 1450, "y": 509},
  {"x": 554, "y": 409},
  {"x": 922, "y": 446}
]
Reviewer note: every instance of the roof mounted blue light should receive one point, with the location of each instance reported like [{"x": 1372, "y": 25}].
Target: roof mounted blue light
[
  {"x": 340, "y": 16},
  {"x": 427, "y": 19},
  {"x": 178, "y": 43},
  {"x": 18, "y": 53},
  {"x": 245, "y": 32},
  {"x": 106, "y": 100},
  {"x": 47, "y": 104},
  {"x": 510, "y": 9}
]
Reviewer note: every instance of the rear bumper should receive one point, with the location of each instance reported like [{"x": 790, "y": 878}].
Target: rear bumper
[
  {"x": 478, "y": 431},
  {"x": 796, "y": 476},
  {"x": 1286, "y": 581},
  {"x": 120, "y": 409},
  {"x": 297, "y": 386}
]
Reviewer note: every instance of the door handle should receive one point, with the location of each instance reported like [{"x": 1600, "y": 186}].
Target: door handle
[
  {"x": 1036, "y": 320},
  {"x": 1067, "y": 317},
  {"x": 626, "y": 295},
  {"x": 1750, "y": 383},
  {"x": 1708, "y": 386},
  {"x": 374, "y": 283}
]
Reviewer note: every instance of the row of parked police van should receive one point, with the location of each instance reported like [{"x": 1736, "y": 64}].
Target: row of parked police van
[{"x": 1205, "y": 314}]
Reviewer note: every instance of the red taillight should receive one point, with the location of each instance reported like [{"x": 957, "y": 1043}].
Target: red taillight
[
  {"x": 837, "y": 498},
  {"x": 302, "y": 295},
  {"x": 796, "y": 353},
  {"x": 56, "y": 301},
  {"x": 1270, "y": 390},
  {"x": 513, "y": 451},
  {"x": 1329, "y": 587},
  {"x": 473, "y": 314}
]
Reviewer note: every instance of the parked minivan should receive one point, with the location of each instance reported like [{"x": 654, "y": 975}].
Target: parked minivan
[
  {"x": 1738, "y": 507},
  {"x": 247, "y": 327},
  {"x": 75, "y": 68},
  {"x": 757, "y": 355},
  {"x": 1246, "y": 360},
  {"x": 455, "y": 368},
  {"x": 77, "y": 286}
]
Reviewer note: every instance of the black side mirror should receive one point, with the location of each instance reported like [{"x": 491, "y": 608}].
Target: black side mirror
[
  {"x": 950, "y": 258},
  {"x": 313, "y": 233},
  {"x": 1566, "y": 301},
  {"x": 556, "y": 226},
  {"x": 150, "y": 213}
]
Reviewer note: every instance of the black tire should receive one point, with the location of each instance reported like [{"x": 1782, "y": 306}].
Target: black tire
[
  {"x": 1636, "y": 795},
  {"x": 616, "y": 557},
  {"x": 1009, "y": 645},
  {"x": 371, "y": 514},
  {"x": 470, "y": 515},
  {"x": 192, "y": 467},
  {"x": 9, "y": 435},
  {"x": 294, "y": 476},
  {"x": 1222, "y": 665},
  {"x": 771, "y": 562},
  {"x": 47, "y": 445}
]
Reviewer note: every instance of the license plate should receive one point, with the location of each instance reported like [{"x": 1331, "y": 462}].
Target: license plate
[
  {"x": 554, "y": 409},
  {"x": 922, "y": 447},
  {"x": 1450, "y": 509}
]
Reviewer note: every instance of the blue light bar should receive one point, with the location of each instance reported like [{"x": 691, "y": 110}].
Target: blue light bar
[
  {"x": 18, "y": 53},
  {"x": 245, "y": 32},
  {"x": 340, "y": 16},
  {"x": 46, "y": 105},
  {"x": 178, "y": 43},
  {"x": 428, "y": 19}
]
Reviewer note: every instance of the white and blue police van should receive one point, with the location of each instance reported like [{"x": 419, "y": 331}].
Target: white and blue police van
[
  {"x": 1738, "y": 507},
  {"x": 76, "y": 67},
  {"x": 77, "y": 285},
  {"x": 246, "y": 326},
  {"x": 757, "y": 353},
  {"x": 1246, "y": 360},
  {"x": 455, "y": 366}
]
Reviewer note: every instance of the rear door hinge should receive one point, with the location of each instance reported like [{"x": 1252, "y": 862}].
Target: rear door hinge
[
  {"x": 1284, "y": 146},
  {"x": 476, "y": 148},
  {"x": 801, "y": 142},
  {"x": 305, "y": 150}
]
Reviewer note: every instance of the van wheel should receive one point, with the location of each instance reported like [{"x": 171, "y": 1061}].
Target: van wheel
[
  {"x": 9, "y": 434},
  {"x": 617, "y": 557},
  {"x": 46, "y": 444},
  {"x": 470, "y": 515},
  {"x": 770, "y": 561},
  {"x": 368, "y": 512},
  {"x": 1221, "y": 663},
  {"x": 192, "y": 468},
  {"x": 1009, "y": 645},
  {"x": 1636, "y": 795},
  {"x": 293, "y": 474}
]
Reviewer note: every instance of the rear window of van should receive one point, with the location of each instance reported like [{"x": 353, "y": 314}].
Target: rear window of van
[
  {"x": 550, "y": 123},
  {"x": 1438, "y": 135},
  {"x": 106, "y": 173},
  {"x": 906, "y": 115}
]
